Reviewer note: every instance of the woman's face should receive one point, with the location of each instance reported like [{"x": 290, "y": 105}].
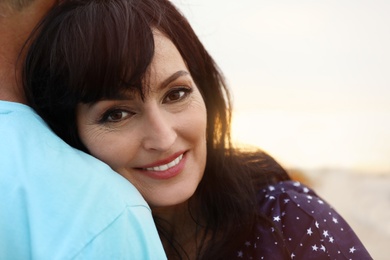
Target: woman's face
[{"x": 159, "y": 143}]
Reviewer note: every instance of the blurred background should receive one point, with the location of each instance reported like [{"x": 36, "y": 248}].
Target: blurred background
[{"x": 311, "y": 86}]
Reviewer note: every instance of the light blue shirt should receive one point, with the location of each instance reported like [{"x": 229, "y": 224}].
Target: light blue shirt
[{"x": 59, "y": 203}]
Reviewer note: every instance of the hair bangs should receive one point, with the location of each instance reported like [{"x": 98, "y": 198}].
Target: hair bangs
[{"x": 107, "y": 48}]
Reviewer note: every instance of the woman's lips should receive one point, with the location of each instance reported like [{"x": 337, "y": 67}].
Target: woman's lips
[
  {"x": 170, "y": 168},
  {"x": 167, "y": 166}
]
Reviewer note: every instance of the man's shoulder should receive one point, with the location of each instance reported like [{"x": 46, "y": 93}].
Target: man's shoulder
[
  {"x": 49, "y": 188},
  {"x": 31, "y": 150},
  {"x": 16, "y": 118}
]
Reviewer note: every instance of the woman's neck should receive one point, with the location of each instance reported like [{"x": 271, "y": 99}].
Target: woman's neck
[{"x": 177, "y": 226}]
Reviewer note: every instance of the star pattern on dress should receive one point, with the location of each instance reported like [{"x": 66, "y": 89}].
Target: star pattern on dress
[
  {"x": 309, "y": 227},
  {"x": 325, "y": 233}
]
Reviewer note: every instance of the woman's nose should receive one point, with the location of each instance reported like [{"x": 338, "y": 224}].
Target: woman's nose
[{"x": 159, "y": 130}]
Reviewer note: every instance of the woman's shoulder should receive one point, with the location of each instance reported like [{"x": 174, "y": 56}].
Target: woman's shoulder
[
  {"x": 287, "y": 191},
  {"x": 310, "y": 227},
  {"x": 295, "y": 203}
]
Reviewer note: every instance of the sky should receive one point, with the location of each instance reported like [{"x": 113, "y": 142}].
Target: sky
[{"x": 310, "y": 79}]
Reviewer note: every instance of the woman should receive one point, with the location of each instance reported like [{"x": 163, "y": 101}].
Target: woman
[{"x": 129, "y": 82}]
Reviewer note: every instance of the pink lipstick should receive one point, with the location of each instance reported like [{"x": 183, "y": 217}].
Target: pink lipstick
[{"x": 167, "y": 168}]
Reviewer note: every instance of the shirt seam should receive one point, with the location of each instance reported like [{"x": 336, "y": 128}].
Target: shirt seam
[{"x": 105, "y": 228}]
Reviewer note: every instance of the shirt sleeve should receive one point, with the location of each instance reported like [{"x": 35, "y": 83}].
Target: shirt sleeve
[{"x": 310, "y": 227}]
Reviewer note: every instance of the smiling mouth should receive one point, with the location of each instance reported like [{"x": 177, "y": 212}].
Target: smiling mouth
[{"x": 165, "y": 167}]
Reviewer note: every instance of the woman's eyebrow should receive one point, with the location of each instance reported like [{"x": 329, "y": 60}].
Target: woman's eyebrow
[
  {"x": 120, "y": 95},
  {"x": 173, "y": 77}
]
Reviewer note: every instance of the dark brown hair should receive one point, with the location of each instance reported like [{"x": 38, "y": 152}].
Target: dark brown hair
[{"x": 88, "y": 50}]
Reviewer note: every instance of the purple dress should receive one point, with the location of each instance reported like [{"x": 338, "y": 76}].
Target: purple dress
[{"x": 302, "y": 223}]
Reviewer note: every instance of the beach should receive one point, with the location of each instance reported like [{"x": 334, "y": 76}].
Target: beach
[{"x": 363, "y": 199}]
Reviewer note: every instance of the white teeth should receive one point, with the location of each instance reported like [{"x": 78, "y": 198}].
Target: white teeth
[{"x": 166, "y": 166}]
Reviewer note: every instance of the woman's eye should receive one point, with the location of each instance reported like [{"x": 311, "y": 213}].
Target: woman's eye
[
  {"x": 176, "y": 95},
  {"x": 115, "y": 116}
]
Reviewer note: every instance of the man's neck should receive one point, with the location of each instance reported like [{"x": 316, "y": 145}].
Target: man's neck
[
  {"x": 15, "y": 27},
  {"x": 10, "y": 85},
  {"x": 10, "y": 46},
  {"x": 11, "y": 94}
]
